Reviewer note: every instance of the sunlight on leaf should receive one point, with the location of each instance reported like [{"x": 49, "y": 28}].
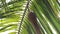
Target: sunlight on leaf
[{"x": 12, "y": 33}]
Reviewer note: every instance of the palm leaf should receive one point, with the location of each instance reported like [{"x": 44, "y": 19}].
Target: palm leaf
[{"x": 15, "y": 13}]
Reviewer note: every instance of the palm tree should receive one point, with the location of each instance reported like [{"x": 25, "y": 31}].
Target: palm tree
[{"x": 19, "y": 16}]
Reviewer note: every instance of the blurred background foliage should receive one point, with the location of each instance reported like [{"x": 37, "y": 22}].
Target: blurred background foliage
[{"x": 46, "y": 11}]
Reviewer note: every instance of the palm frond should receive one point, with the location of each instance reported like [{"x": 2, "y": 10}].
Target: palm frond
[{"x": 14, "y": 12}]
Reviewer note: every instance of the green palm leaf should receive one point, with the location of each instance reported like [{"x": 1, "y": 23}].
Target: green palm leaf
[{"x": 15, "y": 13}]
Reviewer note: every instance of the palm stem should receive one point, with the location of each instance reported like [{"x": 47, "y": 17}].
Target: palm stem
[{"x": 23, "y": 16}]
